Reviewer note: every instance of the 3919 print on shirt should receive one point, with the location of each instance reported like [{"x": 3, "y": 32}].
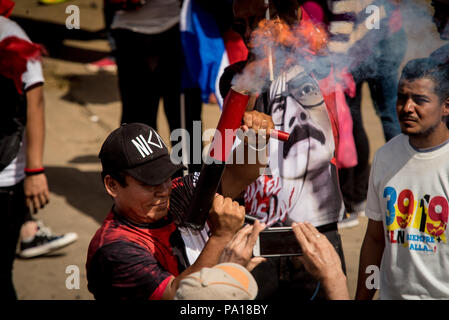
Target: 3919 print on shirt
[{"x": 418, "y": 223}]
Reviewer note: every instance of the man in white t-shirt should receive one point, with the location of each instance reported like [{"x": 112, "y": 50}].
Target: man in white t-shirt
[
  {"x": 23, "y": 183},
  {"x": 408, "y": 194}
]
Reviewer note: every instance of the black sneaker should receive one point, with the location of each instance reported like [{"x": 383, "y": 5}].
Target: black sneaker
[{"x": 44, "y": 242}]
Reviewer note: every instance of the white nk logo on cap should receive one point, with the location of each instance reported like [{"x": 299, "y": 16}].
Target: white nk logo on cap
[{"x": 143, "y": 145}]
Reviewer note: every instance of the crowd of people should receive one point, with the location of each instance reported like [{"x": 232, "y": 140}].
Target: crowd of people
[{"x": 316, "y": 57}]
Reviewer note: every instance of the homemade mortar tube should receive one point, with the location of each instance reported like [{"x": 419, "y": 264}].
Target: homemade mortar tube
[{"x": 234, "y": 107}]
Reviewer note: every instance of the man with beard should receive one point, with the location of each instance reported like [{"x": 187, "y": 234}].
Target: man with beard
[
  {"x": 301, "y": 183},
  {"x": 407, "y": 203}
]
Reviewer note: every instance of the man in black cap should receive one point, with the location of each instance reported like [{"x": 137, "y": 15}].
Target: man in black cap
[{"x": 138, "y": 252}]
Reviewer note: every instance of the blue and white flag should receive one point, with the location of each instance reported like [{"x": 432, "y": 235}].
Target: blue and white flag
[{"x": 204, "y": 51}]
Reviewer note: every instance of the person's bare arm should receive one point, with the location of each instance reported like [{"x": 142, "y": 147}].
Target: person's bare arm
[
  {"x": 35, "y": 186},
  {"x": 321, "y": 260},
  {"x": 226, "y": 218},
  {"x": 370, "y": 254},
  {"x": 240, "y": 249},
  {"x": 247, "y": 161}
]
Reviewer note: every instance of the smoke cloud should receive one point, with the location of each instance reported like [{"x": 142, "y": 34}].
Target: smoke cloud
[{"x": 310, "y": 46}]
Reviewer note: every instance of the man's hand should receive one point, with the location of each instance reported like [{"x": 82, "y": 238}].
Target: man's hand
[
  {"x": 321, "y": 260},
  {"x": 260, "y": 123},
  {"x": 247, "y": 164},
  {"x": 240, "y": 249},
  {"x": 226, "y": 217},
  {"x": 36, "y": 191}
]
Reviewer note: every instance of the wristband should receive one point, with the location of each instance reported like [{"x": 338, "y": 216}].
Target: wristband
[
  {"x": 257, "y": 149},
  {"x": 32, "y": 172}
]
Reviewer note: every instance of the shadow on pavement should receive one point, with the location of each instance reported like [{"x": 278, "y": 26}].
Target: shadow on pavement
[
  {"x": 52, "y": 35},
  {"x": 91, "y": 158},
  {"x": 83, "y": 190},
  {"x": 80, "y": 88}
]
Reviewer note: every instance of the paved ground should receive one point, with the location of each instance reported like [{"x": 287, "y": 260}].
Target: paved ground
[{"x": 81, "y": 109}]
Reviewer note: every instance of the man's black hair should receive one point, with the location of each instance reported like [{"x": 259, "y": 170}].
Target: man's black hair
[
  {"x": 119, "y": 176},
  {"x": 431, "y": 69}
]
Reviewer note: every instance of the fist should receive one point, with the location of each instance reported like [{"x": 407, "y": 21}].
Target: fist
[{"x": 226, "y": 217}]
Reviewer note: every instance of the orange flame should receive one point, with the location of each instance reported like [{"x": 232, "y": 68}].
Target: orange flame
[
  {"x": 305, "y": 35},
  {"x": 303, "y": 39}
]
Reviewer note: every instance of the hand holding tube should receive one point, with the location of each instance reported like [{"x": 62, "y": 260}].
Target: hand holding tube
[{"x": 262, "y": 123}]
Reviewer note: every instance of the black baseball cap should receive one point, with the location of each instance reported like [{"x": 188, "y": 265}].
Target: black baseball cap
[{"x": 138, "y": 150}]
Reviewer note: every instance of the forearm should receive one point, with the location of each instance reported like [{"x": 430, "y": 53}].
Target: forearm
[
  {"x": 226, "y": 218},
  {"x": 321, "y": 261},
  {"x": 370, "y": 254},
  {"x": 35, "y": 128},
  {"x": 208, "y": 258},
  {"x": 243, "y": 170},
  {"x": 336, "y": 288},
  {"x": 210, "y": 255}
]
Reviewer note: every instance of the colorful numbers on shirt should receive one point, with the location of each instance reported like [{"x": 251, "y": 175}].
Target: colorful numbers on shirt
[
  {"x": 429, "y": 214},
  {"x": 438, "y": 214},
  {"x": 390, "y": 195},
  {"x": 406, "y": 205}
]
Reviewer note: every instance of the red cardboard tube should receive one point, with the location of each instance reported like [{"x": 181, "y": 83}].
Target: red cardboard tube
[
  {"x": 234, "y": 107},
  {"x": 279, "y": 135}
]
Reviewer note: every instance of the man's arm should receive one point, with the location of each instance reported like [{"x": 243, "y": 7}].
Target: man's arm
[
  {"x": 36, "y": 187},
  {"x": 370, "y": 254},
  {"x": 226, "y": 218},
  {"x": 240, "y": 249},
  {"x": 247, "y": 161},
  {"x": 321, "y": 260}
]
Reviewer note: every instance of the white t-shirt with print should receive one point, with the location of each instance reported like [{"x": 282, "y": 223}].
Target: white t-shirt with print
[
  {"x": 14, "y": 173},
  {"x": 409, "y": 191},
  {"x": 302, "y": 183}
]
